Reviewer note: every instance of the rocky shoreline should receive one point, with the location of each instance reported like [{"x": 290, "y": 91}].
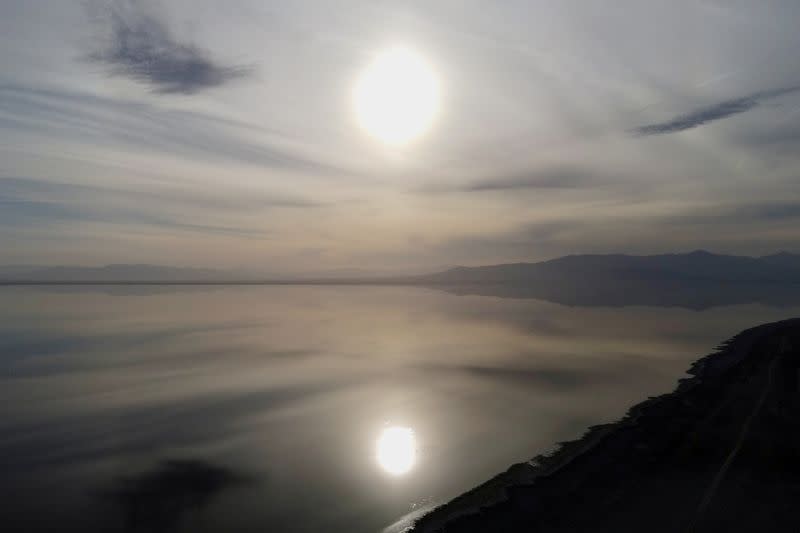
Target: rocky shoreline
[{"x": 530, "y": 495}]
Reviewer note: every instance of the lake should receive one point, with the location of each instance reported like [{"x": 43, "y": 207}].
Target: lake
[{"x": 268, "y": 408}]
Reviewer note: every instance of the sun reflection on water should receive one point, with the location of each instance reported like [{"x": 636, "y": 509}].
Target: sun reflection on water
[{"x": 396, "y": 450}]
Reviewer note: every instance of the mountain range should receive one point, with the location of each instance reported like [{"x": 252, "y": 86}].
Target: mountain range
[
  {"x": 697, "y": 266},
  {"x": 110, "y": 274},
  {"x": 696, "y": 280}
]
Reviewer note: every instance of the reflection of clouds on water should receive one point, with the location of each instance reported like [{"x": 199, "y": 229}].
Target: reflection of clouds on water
[
  {"x": 688, "y": 295},
  {"x": 297, "y": 382},
  {"x": 33, "y": 352},
  {"x": 157, "y": 500},
  {"x": 559, "y": 379},
  {"x": 75, "y": 439}
]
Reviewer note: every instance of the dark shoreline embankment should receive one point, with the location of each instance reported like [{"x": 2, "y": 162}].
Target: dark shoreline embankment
[{"x": 719, "y": 453}]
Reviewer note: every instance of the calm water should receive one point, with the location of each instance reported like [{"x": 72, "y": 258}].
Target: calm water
[{"x": 260, "y": 408}]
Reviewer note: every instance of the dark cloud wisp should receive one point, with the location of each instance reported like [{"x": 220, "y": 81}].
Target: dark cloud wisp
[
  {"x": 718, "y": 111},
  {"x": 142, "y": 48},
  {"x": 558, "y": 179}
]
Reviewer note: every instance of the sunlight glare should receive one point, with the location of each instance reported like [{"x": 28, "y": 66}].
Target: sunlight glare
[
  {"x": 397, "y": 450},
  {"x": 397, "y": 96}
]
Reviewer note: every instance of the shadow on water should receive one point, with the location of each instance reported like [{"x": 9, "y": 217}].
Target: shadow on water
[{"x": 158, "y": 500}]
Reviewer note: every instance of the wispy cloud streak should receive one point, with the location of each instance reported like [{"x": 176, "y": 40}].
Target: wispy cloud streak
[
  {"x": 28, "y": 202},
  {"x": 102, "y": 121},
  {"x": 712, "y": 113}
]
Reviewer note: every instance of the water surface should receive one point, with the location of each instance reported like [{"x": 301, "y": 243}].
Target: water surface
[{"x": 260, "y": 408}]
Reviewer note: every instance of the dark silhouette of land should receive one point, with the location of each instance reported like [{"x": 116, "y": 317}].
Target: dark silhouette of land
[
  {"x": 721, "y": 453},
  {"x": 696, "y": 280},
  {"x": 697, "y": 266}
]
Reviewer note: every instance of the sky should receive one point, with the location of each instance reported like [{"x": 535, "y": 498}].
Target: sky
[{"x": 187, "y": 134}]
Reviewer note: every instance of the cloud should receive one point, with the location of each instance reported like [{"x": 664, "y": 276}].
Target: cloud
[
  {"x": 559, "y": 178},
  {"x": 742, "y": 215},
  {"x": 552, "y": 378},
  {"x": 778, "y": 138},
  {"x": 27, "y": 202},
  {"x": 142, "y": 48},
  {"x": 79, "y": 437},
  {"x": 31, "y": 213},
  {"x": 732, "y": 225},
  {"x": 523, "y": 242},
  {"x": 106, "y": 122},
  {"x": 774, "y": 211},
  {"x": 229, "y": 201},
  {"x": 555, "y": 379},
  {"x": 712, "y": 113}
]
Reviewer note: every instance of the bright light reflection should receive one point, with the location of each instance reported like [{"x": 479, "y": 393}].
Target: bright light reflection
[{"x": 397, "y": 450}]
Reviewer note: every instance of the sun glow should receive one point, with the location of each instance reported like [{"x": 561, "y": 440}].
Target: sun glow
[
  {"x": 397, "y": 96},
  {"x": 397, "y": 450}
]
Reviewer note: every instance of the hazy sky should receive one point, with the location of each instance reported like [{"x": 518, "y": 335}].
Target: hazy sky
[{"x": 186, "y": 133}]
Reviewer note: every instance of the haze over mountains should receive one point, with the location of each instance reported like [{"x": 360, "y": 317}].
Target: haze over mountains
[
  {"x": 696, "y": 280},
  {"x": 693, "y": 267},
  {"x": 699, "y": 265},
  {"x": 145, "y": 273},
  {"x": 109, "y": 274}
]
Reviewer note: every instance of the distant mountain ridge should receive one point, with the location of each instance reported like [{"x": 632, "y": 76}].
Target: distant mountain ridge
[
  {"x": 116, "y": 273},
  {"x": 146, "y": 273},
  {"x": 584, "y": 272},
  {"x": 697, "y": 266}
]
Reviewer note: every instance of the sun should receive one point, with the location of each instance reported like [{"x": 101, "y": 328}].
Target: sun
[
  {"x": 397, "y": 450},
  {"x": 397, "y": 96}
]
